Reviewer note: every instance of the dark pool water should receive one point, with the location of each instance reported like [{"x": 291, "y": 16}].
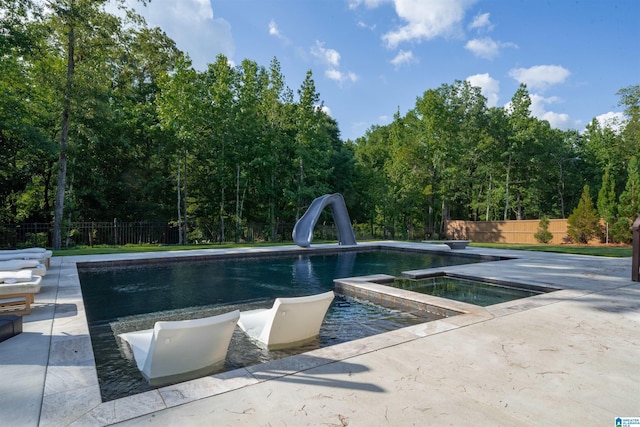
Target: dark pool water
[
  {"x": 122, "y": 299},
  {"x": 469, "y": 291}
]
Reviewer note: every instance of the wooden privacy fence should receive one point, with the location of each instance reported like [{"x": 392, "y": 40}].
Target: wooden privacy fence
[{"x": 505, "y": 231}]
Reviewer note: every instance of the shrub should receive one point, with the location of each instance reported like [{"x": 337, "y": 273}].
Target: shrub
[
  {"x": 543, "y": 235},
  {"x": 620, "y": 231},
  {"x": 584, "y": 224}
]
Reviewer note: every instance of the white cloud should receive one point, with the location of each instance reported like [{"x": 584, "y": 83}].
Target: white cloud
[
  {"x": 371, "y": 4},
  {"x": 331, "y": 58},
  {"x": 192, "y": 25},
  {"x": 609, "y": 117},
  {"x": 426, "y": 19},
  {"x": 486, "y": 47},
  {"x": 324, "y": 109},
  {"x": 328, "y": 56},
  {"x": 556, "y": 120},
  {"x": 340, "y": 76},
  {"x": 184, "y": 10},
  {"x": 352, "y": 77},
  {"x": 273, "y": 29},
  {"x": 403, "y": 57},
  {"x": 333, "y": 74},
  {"x": 363, "y": 24},
  {"x": 481, "y": 22},
  {"x": 614, "y": 120},
  {"x": 540, "y": 77},
  {"x": 489, "y": 87}
]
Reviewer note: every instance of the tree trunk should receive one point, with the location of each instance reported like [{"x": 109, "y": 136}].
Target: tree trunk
[
  {"x": 64, "y": 139},
  {"x": 299, "y": 197},
  {"x": 506, "y": 197},
  {"x": 185, "y": 199},
  {"x": 237, "y": 234},
  {"x": 222, "y": 215},
  {"x": 489, "y": 197},
  {"x": 272, "y": 210},
  {"x": 180, "y": 241}
]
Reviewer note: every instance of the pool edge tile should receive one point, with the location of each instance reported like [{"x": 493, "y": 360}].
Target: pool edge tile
[
  {"x": 189, "y": 391},
  {"x": 66, "y": 407}
]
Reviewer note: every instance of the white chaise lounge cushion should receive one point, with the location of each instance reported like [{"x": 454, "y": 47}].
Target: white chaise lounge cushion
[
  {"x": 40, "y": 251},
  {"x": 16, "y": 276},
  {"x": 183, "y": 349},
  {"x": 42, "y": 257},
  {"x": 36, "y": 267},
  {"x": 18, "y": 264},
  {"x": 10, "y": 287},
  {"x": 289, "y": 322}
]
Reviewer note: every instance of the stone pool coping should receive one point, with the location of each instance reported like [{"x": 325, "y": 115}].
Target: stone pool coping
[{"x": 49, "y": 375}]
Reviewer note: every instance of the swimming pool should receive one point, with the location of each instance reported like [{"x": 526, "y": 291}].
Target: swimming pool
[
  {"x": 119, "y": 298},
  {"x": 466, "y": 290}
]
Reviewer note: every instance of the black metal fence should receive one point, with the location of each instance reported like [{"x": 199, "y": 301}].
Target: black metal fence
[
  {"x": 89, "y": 234},
  {"x": 168, "y": 233},
  {"x": 143, "y": 232}
]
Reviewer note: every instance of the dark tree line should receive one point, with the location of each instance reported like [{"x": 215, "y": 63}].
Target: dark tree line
[
  {"x": 452, "y": 157},
  {"x": 102, "y": 117}
]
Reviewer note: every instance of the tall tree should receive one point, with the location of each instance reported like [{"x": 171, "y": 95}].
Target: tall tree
[
  {"x": 629, "y": 206},
  {"x": 276, "y": 147},
  {"x": 312, "y": 147},
  {"x": 85, "y": 31},
  {"x": 607, "y": 200},
  {"x": 216, "y": 146},
  {"x": 179, "y": 114},
  {"x": 630, "y": 100},
  {"x": 607, "y": 197},
  {"x": 520, "y": 151},
  {"x": 584, "y": 224}
]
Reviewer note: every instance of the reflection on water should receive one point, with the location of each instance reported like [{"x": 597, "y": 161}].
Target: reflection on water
[{"x": 126, "y": 299}]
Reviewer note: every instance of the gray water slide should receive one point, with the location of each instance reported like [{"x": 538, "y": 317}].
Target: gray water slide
[{"x": 303, "y": 230}]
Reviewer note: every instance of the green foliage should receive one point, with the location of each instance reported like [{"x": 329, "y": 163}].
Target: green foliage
[
  {"x": 620, "y": 231},
  {"x": 230, "y": 148},
  {"x": 629, "y": 205},
  {"x": 607, "y": 197},
  {"x": 543, "y": 235},
  {"x": 584, "y": 224},
  {"x": 630, "y": 100}
]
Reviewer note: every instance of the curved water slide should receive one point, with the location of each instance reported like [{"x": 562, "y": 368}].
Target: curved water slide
[{"x": 303, "y": 230}]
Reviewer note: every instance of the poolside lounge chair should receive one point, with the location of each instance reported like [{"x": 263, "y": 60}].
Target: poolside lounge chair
[
  {"x": 291, "y": 321},
  {"x": 34, "y": 265},
  {"x": 17, "y": 290},
  {"x": 40, "y": 254},
  {"x": 181, "y": 350}
]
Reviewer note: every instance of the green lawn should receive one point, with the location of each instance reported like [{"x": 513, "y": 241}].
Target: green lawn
[
  {"x": 105, "y": 249},
  {"x": 608, "y": 251}
]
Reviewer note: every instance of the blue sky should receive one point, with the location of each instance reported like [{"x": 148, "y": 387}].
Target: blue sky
[{"x": 372, "y": 57}]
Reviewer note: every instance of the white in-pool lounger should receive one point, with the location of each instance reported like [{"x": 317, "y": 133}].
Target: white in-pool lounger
[
  {"x": 291, "y": 321},
  {"x": 17, "y": 290},
  {"x": 183, "y": 349}
]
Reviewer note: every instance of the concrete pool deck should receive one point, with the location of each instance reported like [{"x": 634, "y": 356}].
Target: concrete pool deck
[{"x": 570, "y": 357}]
